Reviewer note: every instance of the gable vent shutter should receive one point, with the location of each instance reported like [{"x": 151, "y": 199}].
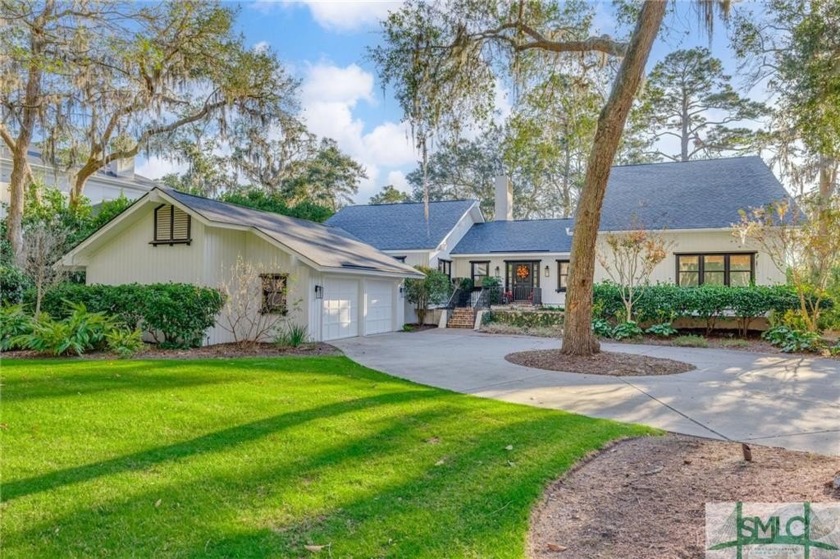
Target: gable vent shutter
[
  {"x": 181, "y": 225},
  {"x": 163, "y": 223}
]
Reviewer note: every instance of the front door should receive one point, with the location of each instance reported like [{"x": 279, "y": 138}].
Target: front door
[{"x": 522, "y": 280}]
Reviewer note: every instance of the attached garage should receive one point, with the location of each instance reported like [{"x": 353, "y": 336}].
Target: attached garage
[
  {"x": 340, "y": 309},
  {"x": 379, "y": 307},
  {"x": 333, "y": 285}
]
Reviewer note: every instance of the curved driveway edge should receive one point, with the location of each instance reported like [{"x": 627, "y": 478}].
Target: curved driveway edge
[{"x": 775, "y": 400}]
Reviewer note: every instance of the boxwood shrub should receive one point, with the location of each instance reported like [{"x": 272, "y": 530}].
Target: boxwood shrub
[
  {"x": 664, "y": 303},
  {"x": 174, "y": 314}
]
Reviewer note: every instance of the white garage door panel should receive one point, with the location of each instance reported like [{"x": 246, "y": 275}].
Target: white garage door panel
[
  {"x": 379, "y": 307},
  {"x": 341, "y": 309}
]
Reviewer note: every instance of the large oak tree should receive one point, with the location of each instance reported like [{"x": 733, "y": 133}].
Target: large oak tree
[
  {"x": 98, "y": 81},
  {"x": 443, "y": 61}
]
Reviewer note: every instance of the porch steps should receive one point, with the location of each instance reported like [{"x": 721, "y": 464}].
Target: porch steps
[{"x": 461, "y": 317}]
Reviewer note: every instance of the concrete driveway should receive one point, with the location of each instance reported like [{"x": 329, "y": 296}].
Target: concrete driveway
[{"x": 792, "y": 402}]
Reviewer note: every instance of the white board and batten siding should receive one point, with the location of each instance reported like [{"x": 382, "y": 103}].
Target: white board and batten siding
[{"x": 352, "y": 305}]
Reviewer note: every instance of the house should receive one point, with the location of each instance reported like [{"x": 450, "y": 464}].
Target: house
[
  {"x": 692, "y": 205},
  {"x": 109, "y": 183},
  {"x": 317, "y": 276}
]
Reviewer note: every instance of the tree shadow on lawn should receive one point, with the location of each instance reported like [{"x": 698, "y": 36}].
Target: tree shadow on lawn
[
  {"x": 216, "y": 441},
  {"x": 149, "y": 376},
  {"x": 476, "y": 503}
]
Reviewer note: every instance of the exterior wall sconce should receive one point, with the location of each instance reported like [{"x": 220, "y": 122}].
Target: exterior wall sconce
[
  {"x": 498, "y": 272},
  {"x": 319, "y": 292},
  {"x": 402, "y": 291},
  {"x": 547, "y": 271}
]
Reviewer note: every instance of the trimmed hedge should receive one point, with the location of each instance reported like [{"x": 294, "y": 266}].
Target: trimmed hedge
[
  {"x": 665, "y": 303},
  {"x": 526, "y": 319},
  {"x": 174, "y": 314}
]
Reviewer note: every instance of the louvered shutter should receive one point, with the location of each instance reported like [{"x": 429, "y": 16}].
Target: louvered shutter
[
  {"x": 171, "y": 225},
  {"x": 181, "y": 226},
  {"x": 163, "y": 223}
]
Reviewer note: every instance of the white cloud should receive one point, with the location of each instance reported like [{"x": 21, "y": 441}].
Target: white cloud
[
  {"x": 350, "y": 15},
  {"x": 336, "y": 15},
  {"x": 156, "y": 167},
  {"x": 327, "y": 83},
  {"x": 261, "y": 47},
  {"x": 330, "y": 94},
  {"x": 398, "y": 180}
]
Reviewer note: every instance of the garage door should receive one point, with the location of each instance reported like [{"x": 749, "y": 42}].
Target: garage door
[
  {"x": 341, "y": 309},
  {"x": 379, "y": 307}
]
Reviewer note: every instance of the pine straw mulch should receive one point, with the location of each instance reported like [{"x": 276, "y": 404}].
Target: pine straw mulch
[
  {"x": 603, "y": 363},
  {"x": 221, "y": 351},
  {"x": 645, "y": 498}
]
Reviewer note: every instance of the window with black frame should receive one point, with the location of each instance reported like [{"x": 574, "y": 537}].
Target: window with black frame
[
  {"x": 562, "y": 275},
  {"x": 445, "y": 266},
  {"x": 479, "y": 271},
  {"x": 730, "y": 269}
]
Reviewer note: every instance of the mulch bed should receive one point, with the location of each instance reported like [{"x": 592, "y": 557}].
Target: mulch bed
[
  {"x": 207, "y": 352},
  {"x": 645, "y": 498},
  {"x": 604, "y": 363}
]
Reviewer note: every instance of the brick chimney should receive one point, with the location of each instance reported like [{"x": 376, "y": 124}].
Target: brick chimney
[{"x": 504, "y": 199}]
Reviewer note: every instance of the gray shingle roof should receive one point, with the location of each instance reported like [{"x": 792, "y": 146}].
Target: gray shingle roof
[
  {"x": 539, "y": 235},
  {"x": 401, "y": 226},
  {"x": 320, "y": 244},
  {"x": 693, "y": 195}
]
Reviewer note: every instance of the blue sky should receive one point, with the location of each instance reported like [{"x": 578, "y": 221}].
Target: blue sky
[{"x": 323, "y": 44}]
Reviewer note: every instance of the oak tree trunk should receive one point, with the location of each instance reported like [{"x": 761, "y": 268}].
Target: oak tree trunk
[
  {"x": 20, "y": 166},
  {"x": 578, "y": 338}
]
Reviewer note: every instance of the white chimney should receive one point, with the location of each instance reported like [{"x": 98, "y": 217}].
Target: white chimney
[
  {"x": 504, "y": 199},
  {"x": 122, "y": 167}
]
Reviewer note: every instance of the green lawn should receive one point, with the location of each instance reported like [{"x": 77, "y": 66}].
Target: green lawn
[{"x": 259, "y": 457}]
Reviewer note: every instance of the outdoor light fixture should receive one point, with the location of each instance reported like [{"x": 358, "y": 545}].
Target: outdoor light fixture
[
  {"x": 401, "y": 291},
  {"x": 497, "y": 271},
  {"x": 319, "y": 292},
  {"x": 547, "y": 271}
]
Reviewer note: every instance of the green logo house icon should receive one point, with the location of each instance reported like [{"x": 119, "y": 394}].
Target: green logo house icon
[{"x": 778, "y": 530}]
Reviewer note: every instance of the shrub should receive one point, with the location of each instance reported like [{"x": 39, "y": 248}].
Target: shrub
[
  {"x": 790, "y": 340},
  {"x": 663, "y": 330},
  {"x": 625, "y": 330},
  {"x": 434, "y": 289},
  {"x": 493, "y": 285},
  {"x": 526, "y": 319},
  {"x": 292, "y": 335},
  {"x": 174, "y": 314},
  {"x": 665, "y": 303},
  {"x": 14, "y": 322},
  {"x": 125, "y": 343},
  {"x": 80, "y": 332},
  {"x": 602, "y": 328},
  {"x": 13, "y": 284},
  {"x": 690, "y": 341}
]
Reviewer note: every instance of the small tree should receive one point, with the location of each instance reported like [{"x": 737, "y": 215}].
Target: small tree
[
  {"x": 629, "y": 260},
  {"x": 803, "y": 242},
  {"x": 434, "y": 289},
  {"x": 43, "y": 245},
  {"x": 242, "y": 315}
]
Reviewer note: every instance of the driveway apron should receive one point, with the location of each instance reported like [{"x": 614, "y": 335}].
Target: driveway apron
[{"x": 775, "y": 400}]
